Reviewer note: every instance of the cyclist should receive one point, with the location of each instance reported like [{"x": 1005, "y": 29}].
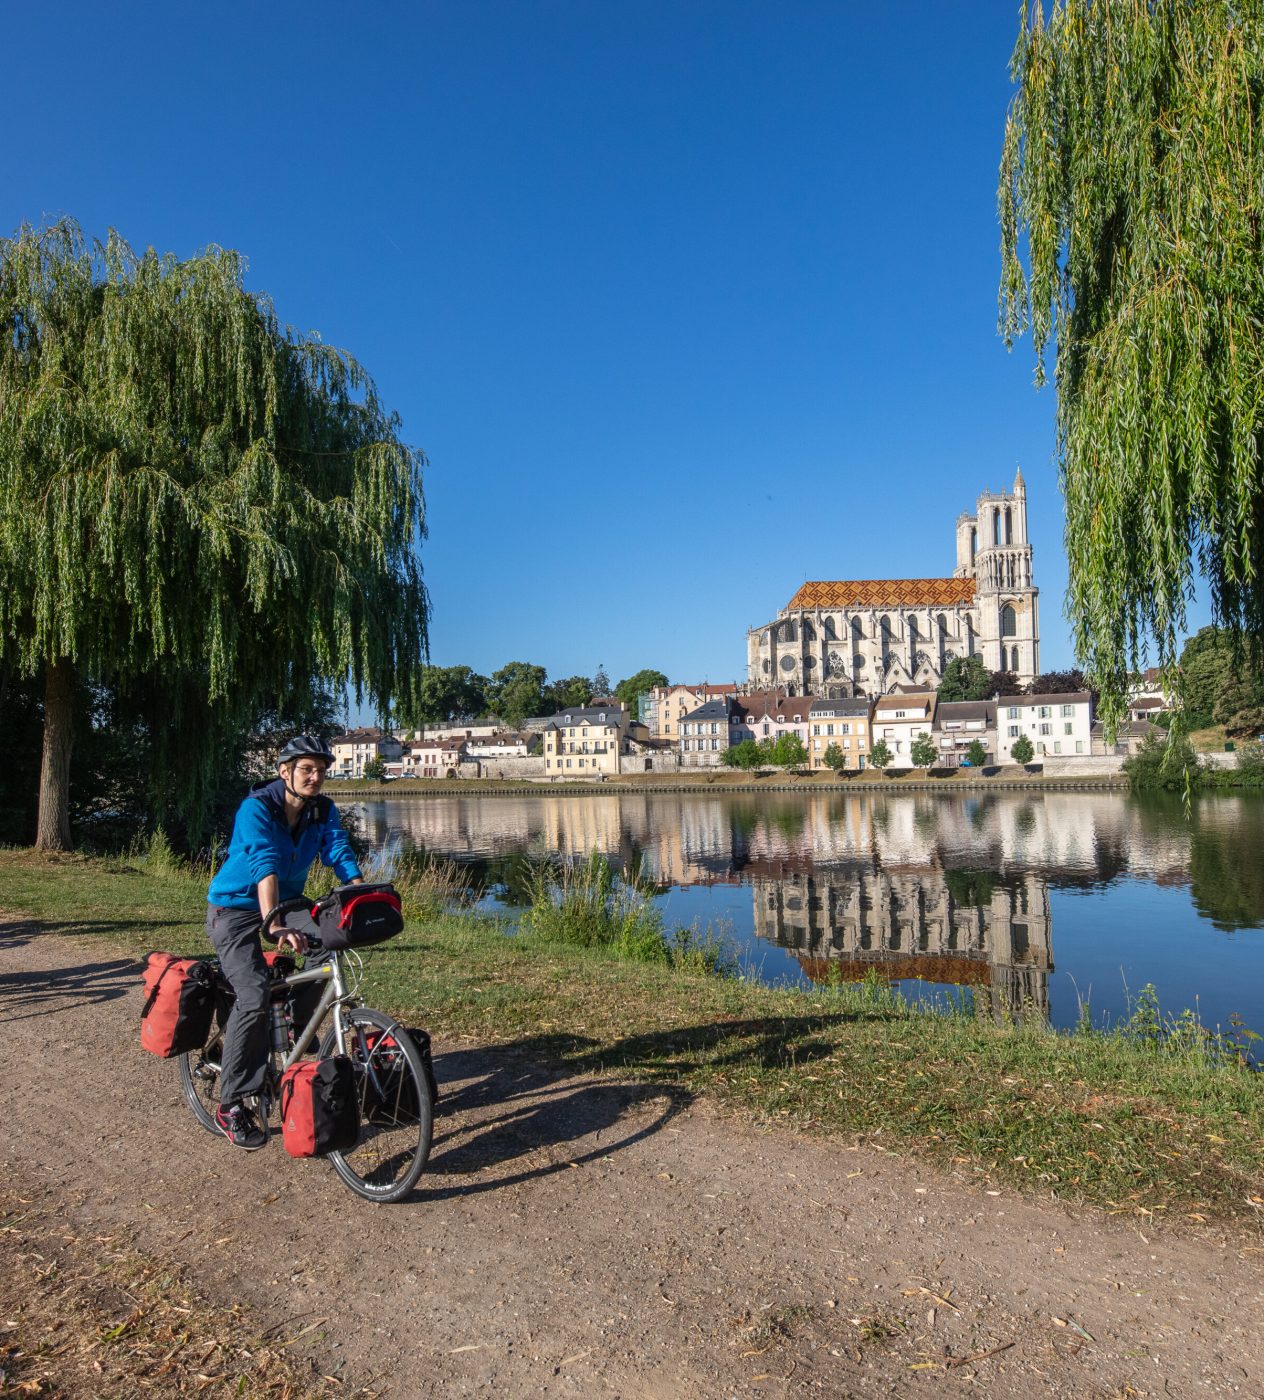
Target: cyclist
[{"x": 280, "y": 829}]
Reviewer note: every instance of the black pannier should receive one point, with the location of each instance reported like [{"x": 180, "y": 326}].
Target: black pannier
[
  {"x": 394, "y": 1099},
  {"x": 357, "y": 916}
]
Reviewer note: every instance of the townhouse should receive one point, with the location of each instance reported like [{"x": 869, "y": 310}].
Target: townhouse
[
  {"x": 899, "y": 719},
  {"x": 667, "y": 705},
  {"x": 434, "y": 758},
  {"x": 356, "y": 747},
  {"x": 958, "y": 723},
  {"x": 1055, "y": 724},
  {"x": 704, "y": 734},
  {"x": 841, "y": 722},
  {"x": 768, "y": 714},
  {"x": 501, "y": 743},
  {"x": 585, "y": 741}
]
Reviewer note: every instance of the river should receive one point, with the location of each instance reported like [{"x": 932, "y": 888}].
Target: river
[{"x": 1038, "y": 903}]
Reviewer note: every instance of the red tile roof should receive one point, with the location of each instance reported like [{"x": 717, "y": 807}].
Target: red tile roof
[{"x": 884, "y": 593}]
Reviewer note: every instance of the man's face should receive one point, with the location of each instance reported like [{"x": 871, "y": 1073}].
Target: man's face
[{"x": 305, "y": 775}]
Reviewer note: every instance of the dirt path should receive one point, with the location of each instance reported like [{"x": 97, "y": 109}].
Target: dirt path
[{"x": 583, "y": 1238}]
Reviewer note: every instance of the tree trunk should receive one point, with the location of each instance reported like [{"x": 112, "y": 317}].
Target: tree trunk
[{"x": 53, "y": 832}]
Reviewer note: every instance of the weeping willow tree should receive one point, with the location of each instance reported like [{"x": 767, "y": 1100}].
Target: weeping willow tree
[
  {"x": 198, "y": 507},
  {"x": 1132, "y": 176}
]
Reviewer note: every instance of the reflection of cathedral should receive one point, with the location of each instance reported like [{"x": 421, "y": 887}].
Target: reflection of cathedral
[
  {"x": 996, "y": 940},
  {"x": 866, "y": 636}
]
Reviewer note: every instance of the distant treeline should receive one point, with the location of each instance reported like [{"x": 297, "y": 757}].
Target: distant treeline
[{"x": 447, "y": 694}]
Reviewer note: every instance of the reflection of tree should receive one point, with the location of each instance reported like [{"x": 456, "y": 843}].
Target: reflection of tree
[
  {"x": 972, "y": 888},
  {"x": 789, "y": 819},
  {"x": 1226, "y": 872}
]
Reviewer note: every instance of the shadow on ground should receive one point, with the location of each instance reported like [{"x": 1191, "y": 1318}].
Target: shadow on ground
[{"x": 24, "y": 995}]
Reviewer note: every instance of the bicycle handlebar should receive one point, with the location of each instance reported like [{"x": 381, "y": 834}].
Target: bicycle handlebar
[{"x": 292, "y": 906}]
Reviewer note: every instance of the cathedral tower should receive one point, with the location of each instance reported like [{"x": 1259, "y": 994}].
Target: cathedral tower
[{"x": 994, "y": 550}]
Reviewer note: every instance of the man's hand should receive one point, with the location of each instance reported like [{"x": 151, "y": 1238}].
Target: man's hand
[{"x": 293, "y": 939}]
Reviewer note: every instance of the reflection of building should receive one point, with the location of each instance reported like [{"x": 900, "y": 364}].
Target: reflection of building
[{"x": 941, "y": 926}]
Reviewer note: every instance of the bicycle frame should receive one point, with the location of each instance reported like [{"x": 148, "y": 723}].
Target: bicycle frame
[{"x": 335, "y": 994}]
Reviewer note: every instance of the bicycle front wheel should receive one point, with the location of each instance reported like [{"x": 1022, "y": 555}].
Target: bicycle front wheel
[{"x": 396, "y": 1112}]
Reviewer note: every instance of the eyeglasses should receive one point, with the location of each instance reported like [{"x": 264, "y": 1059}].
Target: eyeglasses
[{"x": 309, "y": 770}]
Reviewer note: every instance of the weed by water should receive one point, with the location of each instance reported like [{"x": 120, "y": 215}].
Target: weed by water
[{"x": 588, "y": 906}]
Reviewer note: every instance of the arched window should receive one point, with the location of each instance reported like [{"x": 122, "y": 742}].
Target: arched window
[
  {"x": 1009, "y": 526},
  {"x": 996, "y": 525},
  {"x": 789, "y": 633},
  {"x": 1013, "y": 658},
  {"x": 1009, "y": 622},
  {"x": 809, "y": 632},
  {"x": 831, "y": 635},
  {"x": 857, "y": 632},
  {"x": 884, "y": 632},
  {"x": 974, "y": 542}
]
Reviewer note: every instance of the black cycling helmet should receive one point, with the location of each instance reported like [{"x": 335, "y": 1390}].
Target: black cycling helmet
[{"x": 304, "y": 746}]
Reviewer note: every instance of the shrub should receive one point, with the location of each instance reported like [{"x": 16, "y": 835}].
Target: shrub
[
  {"x": 1166, "y": 762},
  {"x": 1022, "y": 752}
]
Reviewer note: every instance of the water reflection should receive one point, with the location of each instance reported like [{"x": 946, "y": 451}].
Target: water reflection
[
  {"x": 960, "y": 928},
  {"x": 958, "y": 889}
]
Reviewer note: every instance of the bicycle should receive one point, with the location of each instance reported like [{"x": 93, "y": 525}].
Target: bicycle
[{"x": 396, "y": 1111}]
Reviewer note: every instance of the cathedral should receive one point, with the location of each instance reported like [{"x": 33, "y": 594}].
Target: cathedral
[{"x": 866, "y": 636}]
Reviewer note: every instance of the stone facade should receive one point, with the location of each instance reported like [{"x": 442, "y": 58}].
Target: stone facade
[{"x": 864, "y": 637}]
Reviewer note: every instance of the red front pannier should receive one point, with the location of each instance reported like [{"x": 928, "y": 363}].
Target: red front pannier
[
  {"x": 319, "y": 1112},
  {"x": 179, "y": 1004},
  {"x": 357, "y": 916}
]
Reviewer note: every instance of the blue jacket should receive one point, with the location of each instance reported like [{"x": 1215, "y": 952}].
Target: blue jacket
[{"x": 263, "y": 844}]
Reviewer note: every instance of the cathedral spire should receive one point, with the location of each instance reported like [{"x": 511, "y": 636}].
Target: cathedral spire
[{"x": 1020, "y": 486}]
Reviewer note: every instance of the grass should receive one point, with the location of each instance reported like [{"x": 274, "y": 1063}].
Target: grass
[
  {"x": 1208, "y": 740},
  {"x": 1133, "y": 1122}
]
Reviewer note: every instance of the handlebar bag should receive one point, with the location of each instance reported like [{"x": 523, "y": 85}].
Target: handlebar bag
[
  {"x": 357, "y": 916},
  {"x": 180, "y": 996},
  {"x": 319, "y": 1111},
  {"x": 394, "y": 1098}
]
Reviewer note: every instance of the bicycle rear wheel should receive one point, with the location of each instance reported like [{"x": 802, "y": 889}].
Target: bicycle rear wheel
[
  {"x": 396, "y": 1112},
  {"x": 199, "y": 1079}
]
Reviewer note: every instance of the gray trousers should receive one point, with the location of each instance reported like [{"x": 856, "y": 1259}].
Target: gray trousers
[{"x": 234, "y": 934}]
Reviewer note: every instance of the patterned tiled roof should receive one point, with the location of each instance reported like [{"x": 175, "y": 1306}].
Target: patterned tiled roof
[{"x": 884, "y": 593}]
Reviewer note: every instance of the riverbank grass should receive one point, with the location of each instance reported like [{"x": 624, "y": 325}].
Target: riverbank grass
[{"x": 1149, "y": 1126}]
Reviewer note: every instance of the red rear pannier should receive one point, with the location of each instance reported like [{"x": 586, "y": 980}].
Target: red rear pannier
[
  {"x": 319, "y": 1112},
  {"x": 357, "y": 916},
  {"x": 179, "y": 1004}
]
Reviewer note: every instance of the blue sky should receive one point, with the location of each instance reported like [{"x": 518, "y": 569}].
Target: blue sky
[{"x": 686, "y": 302}]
